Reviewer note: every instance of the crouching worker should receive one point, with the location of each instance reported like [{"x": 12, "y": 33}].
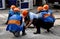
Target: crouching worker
[
  {"x": 11, "y": 12},
  {"x": 30, "y": 18},
  {"x": 39, "y": 21},
  {"x": 48, "y": 18},
  {"x": 15, "y": 24}
]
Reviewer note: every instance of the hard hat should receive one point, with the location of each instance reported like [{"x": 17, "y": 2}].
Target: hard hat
[
  {"x": 45, "y": 7},
  {"x": 24, "y": 12},
  {"x": 40, "y": 8},
  {"x": 16, "y": 9},
  {"x": 13, "y": 6}
]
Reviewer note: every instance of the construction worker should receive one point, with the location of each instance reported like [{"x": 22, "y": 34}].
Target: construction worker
[
  {"x": 29, "y": 16},
  {"x": 26, "y": 19},
  {"x": 11, "y": 12},
  {"x": 38, "y": 21},
  {"x": 15, "y": 24},
  {"x": 48, "y": 18}
]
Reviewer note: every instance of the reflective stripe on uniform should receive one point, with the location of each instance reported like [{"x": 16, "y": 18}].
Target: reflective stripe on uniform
[
  {"x": 14, "y": 22},
  {"x": 46, "y": 15}
]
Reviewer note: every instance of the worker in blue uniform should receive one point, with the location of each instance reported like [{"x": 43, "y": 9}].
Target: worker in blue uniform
[
  {"x": 38, "y": 22},
  {"x": 15, "y": 24},
  {"x": 29, "y": 17},
  {"x": 11, "y": 12},
  {"x": 48, "y": 18}
]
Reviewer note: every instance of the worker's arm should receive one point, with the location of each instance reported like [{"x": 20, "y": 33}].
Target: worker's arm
[
  {"x": 30, "y": 22},
  {"x": 31, "y": 15},
  {"x": 27, "y": 22}
]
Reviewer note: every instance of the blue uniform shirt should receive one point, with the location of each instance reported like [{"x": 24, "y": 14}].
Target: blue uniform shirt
[
  {"x": 49, "y": 18},
  {"x": 11, "y": 12},
  {"x": 14, "y": 27},
  {"x": 15, "y": 17},
  {"x": 33, "y": 15}
]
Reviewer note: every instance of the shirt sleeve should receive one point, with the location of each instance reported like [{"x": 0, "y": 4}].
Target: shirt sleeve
[
  {"x": 31, "y": 16},
  {"x": 40, "y": 15},
  {"x": 36, "y": 15}
]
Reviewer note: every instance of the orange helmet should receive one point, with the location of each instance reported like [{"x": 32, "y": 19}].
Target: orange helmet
[
  {"x": 40, "y": 8},
  {"x": 45, "y": 7},
  {"x": 24, "y": 12},
  {"x": 16, "y": 9},
  {"x": 13, "y": 6}
]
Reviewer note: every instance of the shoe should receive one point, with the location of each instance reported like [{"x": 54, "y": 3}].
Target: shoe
[
  {"x": 17, "y": 34},
  {"x": 48, "y": 30},
  {"x": 36, "y": 33},
  {"x": 13, "y": 33},
  {"x": 23, "y": 34}
]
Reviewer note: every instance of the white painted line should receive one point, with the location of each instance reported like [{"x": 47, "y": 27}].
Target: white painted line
[{"x": 3, "y": 15}]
